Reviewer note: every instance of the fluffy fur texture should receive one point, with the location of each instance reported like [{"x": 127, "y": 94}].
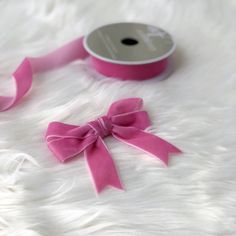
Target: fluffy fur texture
[{"x": 195, "y": 109}]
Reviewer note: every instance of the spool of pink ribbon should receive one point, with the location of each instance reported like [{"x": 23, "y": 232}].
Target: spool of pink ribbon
[{"x": 128, "y": 51}]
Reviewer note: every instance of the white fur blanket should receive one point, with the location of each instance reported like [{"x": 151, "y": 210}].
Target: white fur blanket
[{"x": 195, "y": 109}]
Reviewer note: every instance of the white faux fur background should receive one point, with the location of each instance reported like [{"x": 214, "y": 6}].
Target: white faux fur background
[{"x": 195, "y": 109}]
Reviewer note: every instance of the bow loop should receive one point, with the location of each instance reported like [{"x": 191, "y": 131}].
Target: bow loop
[
  {"x": 125, "y": 106},
  {"x": 66, "y": 141},
  {"x": 137, "y": 119}
]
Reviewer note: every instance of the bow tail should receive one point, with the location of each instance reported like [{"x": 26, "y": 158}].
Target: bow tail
[
  {"x": 149, "y": 143},
  {"x": 102, "y": 166}
]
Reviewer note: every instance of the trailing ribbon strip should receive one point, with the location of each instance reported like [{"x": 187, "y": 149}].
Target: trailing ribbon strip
[
  {"x": 24, "y": 73},
  {"x": 126, "y": 122}
]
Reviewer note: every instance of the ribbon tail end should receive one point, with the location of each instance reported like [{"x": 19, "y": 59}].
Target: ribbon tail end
[
  {"x": 173, "y": 149},
  {"x": 115, "y": 184}
]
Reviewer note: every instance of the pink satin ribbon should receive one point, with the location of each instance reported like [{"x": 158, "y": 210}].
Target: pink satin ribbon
[
  {"x": 125, "y": 121},
  {"x": 70, "y": 52}
]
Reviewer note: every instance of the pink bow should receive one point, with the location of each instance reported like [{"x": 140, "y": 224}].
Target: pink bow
[{"x": 125, "y": 121}]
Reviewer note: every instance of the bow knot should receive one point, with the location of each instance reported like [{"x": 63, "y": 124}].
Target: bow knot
[
  {"x": 102, "y": 126},
  {"x": 125, "y": 121}
]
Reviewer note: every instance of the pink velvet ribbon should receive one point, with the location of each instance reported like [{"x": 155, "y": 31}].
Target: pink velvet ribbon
[
  {"x": 126, "y": 122},
  {"x": 72, "y": 51},
  {"x": 23, "y": 75}
]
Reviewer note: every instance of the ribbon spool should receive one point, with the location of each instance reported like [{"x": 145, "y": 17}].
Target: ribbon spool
[{"x": 127, "y": 51}]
